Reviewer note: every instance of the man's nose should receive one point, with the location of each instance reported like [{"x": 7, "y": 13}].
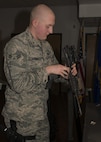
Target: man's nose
[{"x": 51, "y": 30}]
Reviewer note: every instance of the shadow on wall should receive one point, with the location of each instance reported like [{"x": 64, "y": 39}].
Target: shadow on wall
[
  {"x": 2, "y": 44},
  {"x": 21, "y": 22}
]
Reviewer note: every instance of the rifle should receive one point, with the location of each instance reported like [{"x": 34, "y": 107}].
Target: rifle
[{"x": 70, "y": 59}]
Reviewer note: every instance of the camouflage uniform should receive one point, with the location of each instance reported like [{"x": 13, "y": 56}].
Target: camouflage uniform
[{"x": 26, "y": 95}]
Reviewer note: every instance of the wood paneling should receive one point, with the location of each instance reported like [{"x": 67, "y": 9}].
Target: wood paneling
[{"x": 90, "y": 59}]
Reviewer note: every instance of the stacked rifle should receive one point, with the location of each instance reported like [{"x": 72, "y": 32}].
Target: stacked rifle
[{"x": 70, "y": 59}]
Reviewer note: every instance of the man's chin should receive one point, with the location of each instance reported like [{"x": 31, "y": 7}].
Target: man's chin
[{"x": 44, "y": 38}]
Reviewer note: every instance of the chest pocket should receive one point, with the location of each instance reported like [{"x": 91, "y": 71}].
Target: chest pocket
[{"x": 35, "y": 57}]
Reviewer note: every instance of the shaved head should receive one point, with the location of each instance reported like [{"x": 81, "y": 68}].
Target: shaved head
[
  {"x": 40, "y": 11},
  {"x": 42, "y": 20}
]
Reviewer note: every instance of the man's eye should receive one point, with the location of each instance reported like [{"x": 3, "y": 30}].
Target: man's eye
[{"x": 47, "y": 27}]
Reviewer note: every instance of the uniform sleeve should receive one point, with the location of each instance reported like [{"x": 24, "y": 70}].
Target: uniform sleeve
[{"x": 19, "y": 77}]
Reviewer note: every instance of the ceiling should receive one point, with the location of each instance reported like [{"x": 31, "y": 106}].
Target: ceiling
[
  {"x": 89, "y": 1},
  {"x": 31, "y": 3}
]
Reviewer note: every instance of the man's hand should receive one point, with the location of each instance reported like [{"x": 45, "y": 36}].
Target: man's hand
[{"x": 59, "y": 70}]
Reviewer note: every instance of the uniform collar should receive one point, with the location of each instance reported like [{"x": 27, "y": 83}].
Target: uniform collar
[{"x": 32, "y": 39}]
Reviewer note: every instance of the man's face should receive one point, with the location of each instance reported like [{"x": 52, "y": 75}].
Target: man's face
[{"x": 45, "y": 27}]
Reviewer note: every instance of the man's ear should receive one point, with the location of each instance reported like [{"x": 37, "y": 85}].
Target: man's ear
[{"x": 35, "y": 22}]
